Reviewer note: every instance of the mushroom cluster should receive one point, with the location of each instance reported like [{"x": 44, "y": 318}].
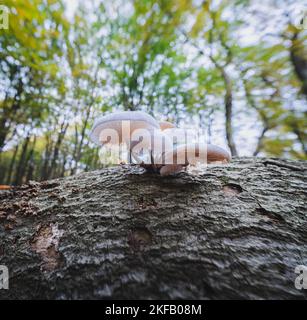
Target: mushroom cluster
[{"x": 156, "y": 146}]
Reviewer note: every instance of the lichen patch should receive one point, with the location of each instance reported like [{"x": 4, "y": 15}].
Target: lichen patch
[{"x": 45, "y": 242}]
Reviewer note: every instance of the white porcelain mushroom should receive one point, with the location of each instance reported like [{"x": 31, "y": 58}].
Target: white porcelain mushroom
[
  {"x": 192, "y": 154},
  {"x": 155, "y": 146},
  {"x": 123, "y": 124}
]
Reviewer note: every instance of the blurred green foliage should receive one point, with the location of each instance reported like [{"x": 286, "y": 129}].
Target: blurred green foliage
[{"x": 179, "y": 60}]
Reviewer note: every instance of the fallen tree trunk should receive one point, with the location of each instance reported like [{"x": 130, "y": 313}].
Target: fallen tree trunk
[{"x": 235, "y": 231}]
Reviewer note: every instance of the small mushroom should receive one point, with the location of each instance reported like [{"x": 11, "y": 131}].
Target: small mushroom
[
  {"x": 166, "y": 125},
  {"x": 217, "y": 154},
  {"x": 5, "y": 187},
  {"x": 191, "y": 154}
]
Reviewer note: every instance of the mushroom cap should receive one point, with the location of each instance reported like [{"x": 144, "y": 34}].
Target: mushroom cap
[
  {"x": 216, "y": 153},
  {"x": 166, "y": 125},
  {"x": 193, "y": 153},
  {"x": 115, "y": 121}
]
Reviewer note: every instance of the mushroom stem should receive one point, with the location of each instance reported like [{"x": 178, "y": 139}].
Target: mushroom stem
[
  {"x": 129, "y": 156},
  {"x": 135, "y": 157},
  {"x": 170, "y": 169},
  {"x": 152, "y": 158}
]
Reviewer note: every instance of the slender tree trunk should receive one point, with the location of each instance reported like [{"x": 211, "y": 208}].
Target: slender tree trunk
[
  {"x": 3, "y": 132},
  {"x": 21, "y": 168},
  {"x": 228, "y": 113},
  {"x": 302, "y": 138},
  {"x": 233, "y": 231},
  {"x": 10, "y": 114},
  {"x": 228, "y": 100},
  {"x": 95, "y": 159},
  {"x": 46, "y": 158},
  {"x": 12, "y": 165},
  {"x": 79, "y": 151},
  {"x": 56, "y": 151},
  {"x": 74, "y": 153},
  {"x": 63, "y": 169},
  {"x": 79, "y": 146},
  {"x": 298, "y": 60},
  {"x": 30, "y": 161},
  {"x": 260, "y": 141}
]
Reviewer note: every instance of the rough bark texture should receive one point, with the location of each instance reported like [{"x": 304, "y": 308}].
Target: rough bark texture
[{"x": 235, "y": 231}]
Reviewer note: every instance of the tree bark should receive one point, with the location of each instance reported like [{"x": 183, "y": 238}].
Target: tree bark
[{"x": 232, "y": 231}]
